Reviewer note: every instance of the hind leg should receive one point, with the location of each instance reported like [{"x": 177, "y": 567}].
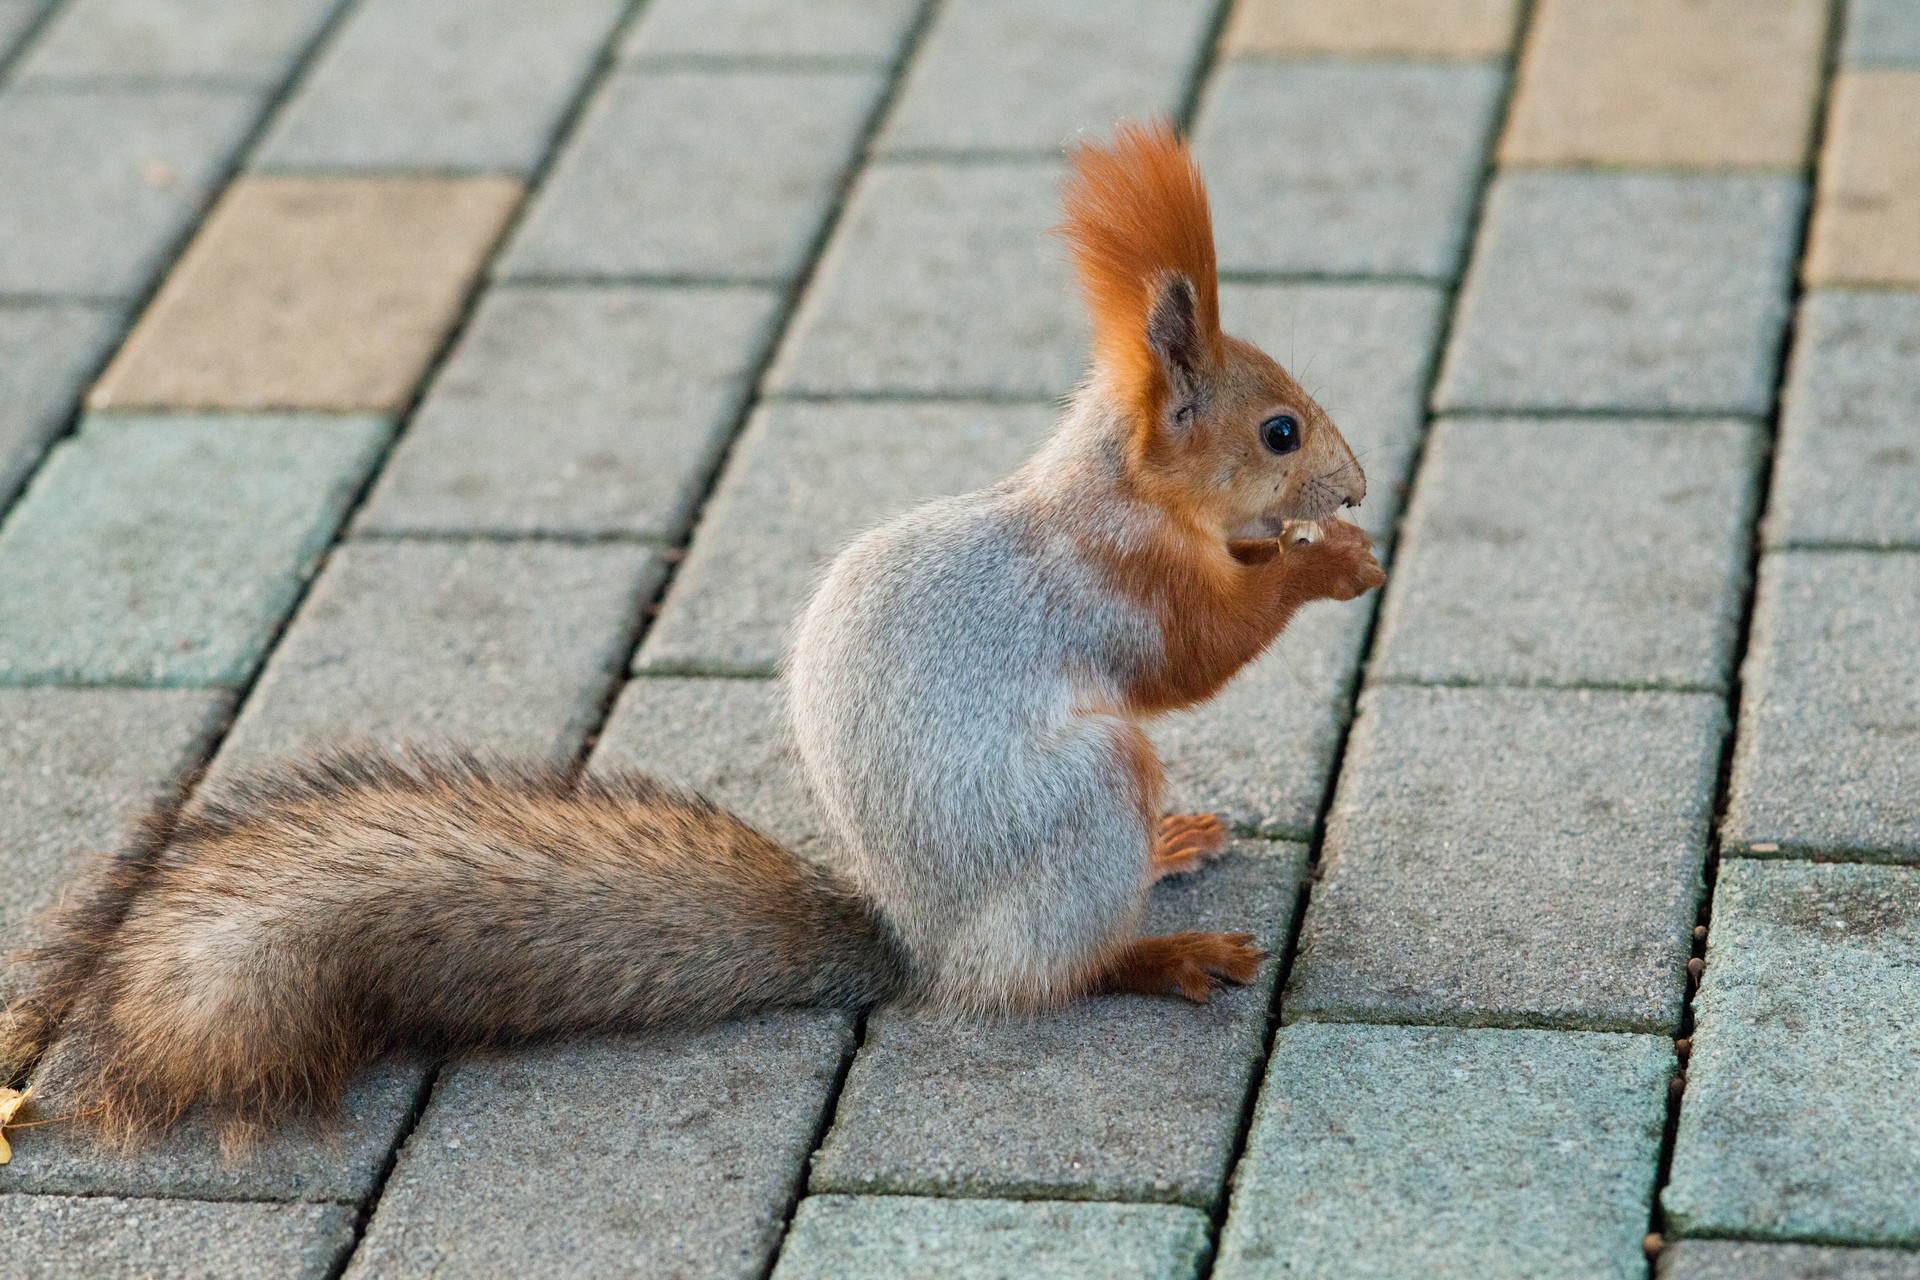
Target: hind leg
[
  {"x": 1193, "y": 964},
  {"x": 1186, "y": 842}
]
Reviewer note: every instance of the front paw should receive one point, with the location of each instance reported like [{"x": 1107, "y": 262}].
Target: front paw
[{"x": 1340, "y": 562}]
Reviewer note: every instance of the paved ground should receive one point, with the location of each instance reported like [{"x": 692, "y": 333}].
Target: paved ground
[{"x": 501, "y": 371}]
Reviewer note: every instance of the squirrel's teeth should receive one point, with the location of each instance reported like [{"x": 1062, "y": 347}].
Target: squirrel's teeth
[{"x": 1295, "y": 533}]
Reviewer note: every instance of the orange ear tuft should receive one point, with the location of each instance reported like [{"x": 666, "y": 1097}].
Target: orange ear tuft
[{"x": 1137, "y": 214}]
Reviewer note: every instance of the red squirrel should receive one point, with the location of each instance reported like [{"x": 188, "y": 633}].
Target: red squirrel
[{"x": 967, "y": 690}]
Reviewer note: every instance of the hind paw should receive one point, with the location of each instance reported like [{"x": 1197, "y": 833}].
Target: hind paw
[{"x": 1194, "y": 965}]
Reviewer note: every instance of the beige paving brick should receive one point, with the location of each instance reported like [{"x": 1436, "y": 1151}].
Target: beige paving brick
[
  {"x": 1710, "y": 84},
  {"x": 315, "y": 293},
  {"x": 1417, "y": 28},
  {"x": 1866, "y": 225}
]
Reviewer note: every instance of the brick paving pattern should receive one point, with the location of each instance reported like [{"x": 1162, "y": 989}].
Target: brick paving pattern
[{"x": 465, "y": 370}]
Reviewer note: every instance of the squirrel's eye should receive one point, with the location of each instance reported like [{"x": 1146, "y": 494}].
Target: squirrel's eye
[{"x": 1281, "y": 433}]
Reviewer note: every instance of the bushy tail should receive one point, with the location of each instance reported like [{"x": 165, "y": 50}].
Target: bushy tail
[{"x": 323, "y": 912}]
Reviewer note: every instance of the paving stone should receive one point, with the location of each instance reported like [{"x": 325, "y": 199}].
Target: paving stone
[
  {"x": 1118, "y": 1098},
  {"x": 1866, "y": 225},
  {"x": 1798, "y": 1119},
  {"x": 672, "y": 1154},
  {"x": 940, "y": 279},
  {"x": 577, "y": 411},
  {"x": 1713, "y": 84},
  {"x": 1423, "y": 1151},
  {"x": 54, "y": 1237},
  {"x": 1345, "y": 167},
  {"x": 882, "y": 1237},
  {"x": 311, "y": 293},
  {"x": 78, "y": 769},
  {"x": 1743, "y": 1260},
  {"x": 801, "y": 482},
  {"x": 166, "y": 550},
  {"x": 253, "y": 44},
  {"x": 1825, "y": 763},
  {"x": 1881, "y": 33},
  {"x": 726, "y": 739},
  {"x": 782, "y": 30},
  {"x": 1532, "y": 556},
  {"x": 1625, "y": 291},
  {"x": 698, "y": 174},
  {"x": 508, "y": 647},
  {"x": 340, "y": 1161},
  {"x": 16, "y": 20},
  {"x": 1366, "y": 353},
  {"x": 1550, "y": 880},
  {"x": 466, "y": 85},
  {"x": 1260, "y": 753},
  {"x": 96, "y": 185},
  {"x": 1401, "y": 28},
  {"x": 1847, "y": 468},
  {"x": 1030, "y": 75},
  {"x": 47, "y": 351}
]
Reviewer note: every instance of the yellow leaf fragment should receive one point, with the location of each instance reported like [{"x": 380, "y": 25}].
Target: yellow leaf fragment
[{"x": 11, "y": 1100}]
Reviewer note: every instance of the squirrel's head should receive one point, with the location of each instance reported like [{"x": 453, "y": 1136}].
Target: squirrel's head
[{"x": 1218, "y": 431}]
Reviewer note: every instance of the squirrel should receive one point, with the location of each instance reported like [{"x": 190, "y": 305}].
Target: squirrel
[{"x": 967, "y": 690}]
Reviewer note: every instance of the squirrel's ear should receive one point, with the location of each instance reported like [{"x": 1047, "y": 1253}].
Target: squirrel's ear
[{"x": 1173, "y": 335}]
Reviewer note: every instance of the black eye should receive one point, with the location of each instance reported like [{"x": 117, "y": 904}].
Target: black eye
[{"x": 1281, "y": 433}]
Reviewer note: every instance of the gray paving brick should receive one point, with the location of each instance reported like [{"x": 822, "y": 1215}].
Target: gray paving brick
[
  {"x": 1421, "y": 1151},
  {"x": 97, "y": 185},
  {"x": 1532, "y": 556},
  {"x": 1798, "y": 1120},
  {"x": 1507, "y": 856},
  {"x": 697, "y": 174},
  {"x": 783, "y": 30},
  {"x": 940, "y": 279},
  {"x": 672, "y": 1154},
  {"x": 1825, "y": 763},
  {"x": 166, "y": 550},
  {"x": 1030, "y": 75},
  {"x": 508, "y": 647},
  {"x": 1118, "y": 1098},
  {"x": 1327, "y": 166},
  {"x": 47, "y": 350},
  {"x": 1847, "y": 469},
  {"x": 1744, "y": 1260},
  {"x": 882, "y": 1237},
  {"x": 78, "y": 768},
  {"x": 341, "y": 1161},
  {"x": 1260, "y": 753},
  {"x": 56, "y": 1237},
  {"x": 1365, "y": 352},
  {"x": 726, "y": 739},
  {"x": 803, "y": 480},
  {"x": 440, "y": 84},
  {"x": 1881, "y": 33},
  {"x": 1625, "y": 291},
  {"x": 577, "y": 411},
  {"x": 251, "y": 44}
]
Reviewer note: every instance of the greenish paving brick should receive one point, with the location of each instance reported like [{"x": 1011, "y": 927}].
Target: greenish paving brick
[
  {"x": 1116, "y": 1098},
  {"x": 1512, "y": 857},
  {"x": 1345, "y": 167},
  {"x": 801, "y": 482},
  {"x": 1420, "y": 1151},
  {"x": 1847, "y": 470},
  {"x": 940, "y": 280},
  {"x": 174, "y": 39},
  {"x": 883, "y": 1237},
  {"x": 58, "y": 1237},
  {"x": 576, "y": 411},
  {"x": 1031, "y": 75},
  {"x": 683, "y": 174},
  {"x": 1532, "y": 556},
  {"x": 97, "y": 185},
  {"x": 777, "y": 30},
  {"x": 47, "y": 350},
  {"x": 1744, "y": 1260},
  {"x": 1627, "y": 291},
  {"x": 166, "y": 549},
  {"x": 1881, "y": 33},
  {"x": 440, "y": 84},
  {"x": 1799, "y": 1121},
  {"x": 1828, "y": 756},
  {"x": 675, "y": 1154}
]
